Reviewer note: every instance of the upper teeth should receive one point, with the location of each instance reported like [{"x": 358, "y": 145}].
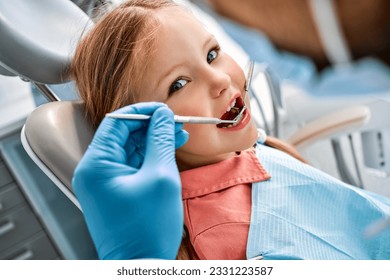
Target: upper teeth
[{"x": 231, "y": 105}]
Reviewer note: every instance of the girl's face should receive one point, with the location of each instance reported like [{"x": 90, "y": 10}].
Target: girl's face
[{"x": 190, "y": 73}]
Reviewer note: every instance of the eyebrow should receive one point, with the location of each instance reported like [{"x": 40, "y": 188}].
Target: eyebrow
[{"x": 173, "y": 68}]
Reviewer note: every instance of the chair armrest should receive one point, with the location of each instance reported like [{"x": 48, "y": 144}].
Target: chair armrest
[{"x": 341, "y": 121}]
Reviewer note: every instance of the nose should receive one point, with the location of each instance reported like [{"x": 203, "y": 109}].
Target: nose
[{"x": 219, "y": 82}]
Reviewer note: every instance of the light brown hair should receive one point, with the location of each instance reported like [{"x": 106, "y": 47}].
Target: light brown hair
[
  {"x": 108, "y": 58},
  {"x": 107, "y": 62}
]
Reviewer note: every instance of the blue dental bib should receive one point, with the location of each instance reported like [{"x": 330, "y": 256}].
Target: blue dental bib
[{"x": 303, "y": 213}]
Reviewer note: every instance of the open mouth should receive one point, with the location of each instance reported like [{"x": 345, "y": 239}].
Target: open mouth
[{"x": 232, "y": 112}]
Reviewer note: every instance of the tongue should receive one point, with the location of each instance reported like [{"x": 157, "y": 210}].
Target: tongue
[{"x": 229, "y": 115}]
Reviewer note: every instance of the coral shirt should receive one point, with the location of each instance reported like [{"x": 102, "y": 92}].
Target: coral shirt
[{"x": 217, "y": 205}]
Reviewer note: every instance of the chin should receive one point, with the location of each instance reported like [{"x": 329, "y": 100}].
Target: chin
[
  {"x": 247, "y": 144},
  {"x": 250, "y": 145},
  {"x": 250, "y": 137}
]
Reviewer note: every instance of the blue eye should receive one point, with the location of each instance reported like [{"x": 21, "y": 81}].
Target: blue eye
[
  {"x": 212, "y": 55},
  {"x": 176, "y": 85}
]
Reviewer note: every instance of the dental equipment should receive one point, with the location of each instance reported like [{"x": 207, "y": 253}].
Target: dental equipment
[
  {"x": 178, "y": 119},
  {"x": 196, "y": 119},
  {"x": 249, "y": 77},
  {"x": 247, "y": 86}
]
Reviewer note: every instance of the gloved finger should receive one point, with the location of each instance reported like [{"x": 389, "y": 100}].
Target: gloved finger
[
  {"x": 136, "y": 140},
  {"x": 136, "y": 152},
  {"x": 112, "y": 134},
  {"x": 178, "y": 127},
  {"x": 122, "y": 128},
  {"x": 181, "y": 137},
  {"x": 137, "y": 158},
  {"x": 135, "y": 146},
  {"x": 160, "y": 138}
]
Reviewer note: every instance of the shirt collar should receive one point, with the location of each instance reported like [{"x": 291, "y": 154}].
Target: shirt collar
[{"x": 240, "y": 169}]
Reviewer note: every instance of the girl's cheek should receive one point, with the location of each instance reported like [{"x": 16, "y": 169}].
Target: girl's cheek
[
  {"x": 187, "y": 107},
  {"x": 191, "y": 129}
]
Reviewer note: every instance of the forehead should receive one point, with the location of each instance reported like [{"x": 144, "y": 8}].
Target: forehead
[
  {"x": 179, "y": 34},
  {"x": 178, "y": 38},
  {"x": 178, "y": 21}
]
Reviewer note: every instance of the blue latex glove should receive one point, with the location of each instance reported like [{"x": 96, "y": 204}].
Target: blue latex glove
[{"x": 130, "y": 193}]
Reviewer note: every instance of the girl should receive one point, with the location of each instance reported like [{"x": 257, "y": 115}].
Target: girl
[{"x": 156, "y": 51}]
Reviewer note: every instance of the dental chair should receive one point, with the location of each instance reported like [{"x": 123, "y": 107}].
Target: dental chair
[
  {"x": 39, "y": 49},
  {"x": 56, "y": 134},
  {"x": 37, "y": 42}
]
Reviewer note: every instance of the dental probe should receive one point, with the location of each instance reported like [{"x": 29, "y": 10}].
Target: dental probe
[{"x": 178, "y": 119}]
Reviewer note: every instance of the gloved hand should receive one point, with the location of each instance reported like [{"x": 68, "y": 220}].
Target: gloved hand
[{"x": 130, "y": 193}]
